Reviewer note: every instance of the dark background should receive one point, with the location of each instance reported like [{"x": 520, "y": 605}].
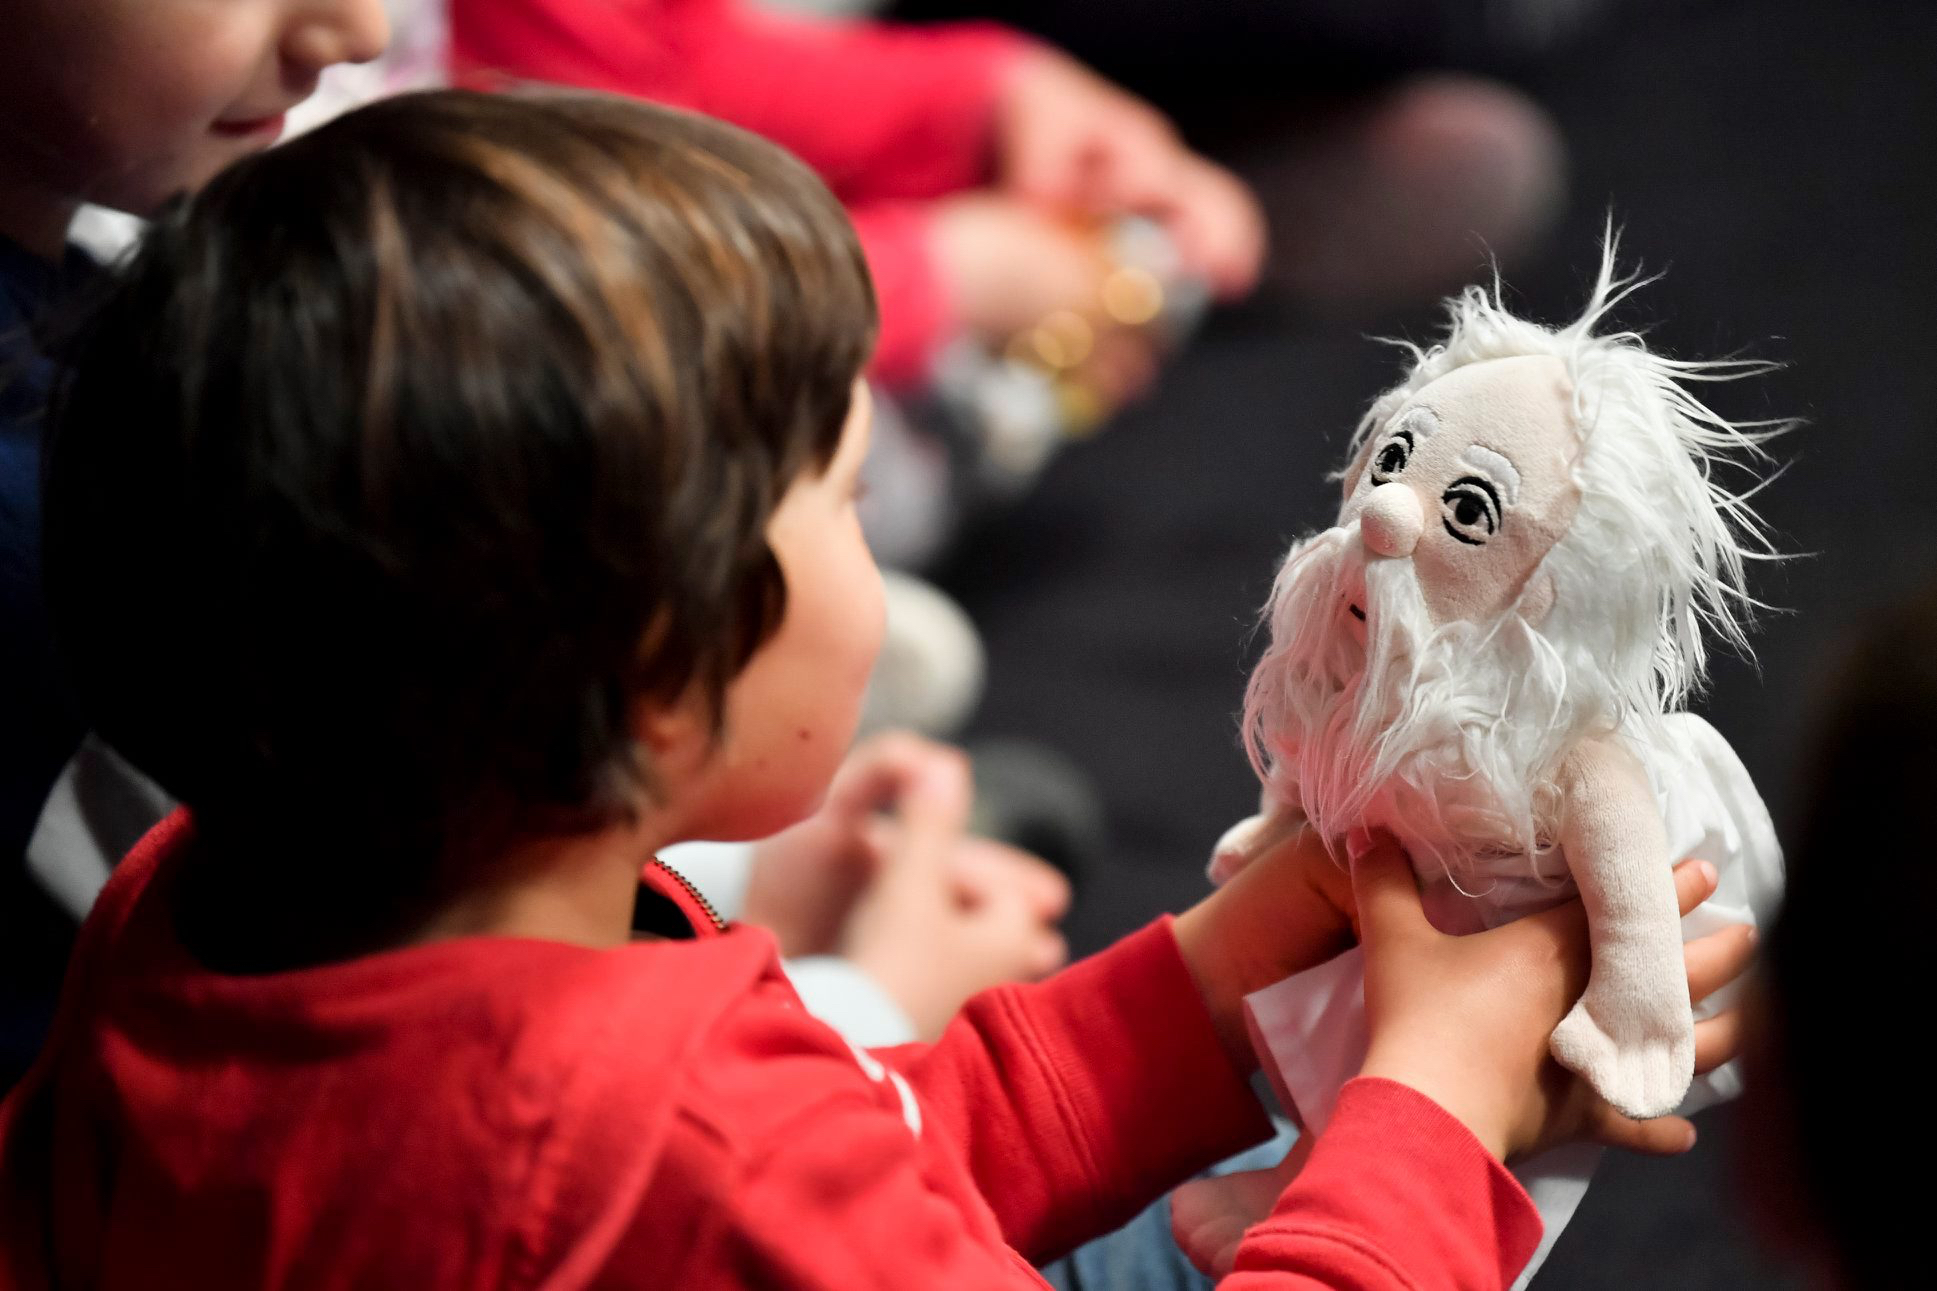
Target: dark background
[{"x": 1771, "y": 158}]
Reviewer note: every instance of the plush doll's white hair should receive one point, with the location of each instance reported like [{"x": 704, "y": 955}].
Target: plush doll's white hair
[
  {"x": 1648, "y": 479},
  {"x": 1451, "y": 734}
]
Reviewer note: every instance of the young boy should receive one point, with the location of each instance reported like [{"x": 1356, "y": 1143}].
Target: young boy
[
  {"x": 124, "y": 103},
  {"x": 452, "y": 508}
]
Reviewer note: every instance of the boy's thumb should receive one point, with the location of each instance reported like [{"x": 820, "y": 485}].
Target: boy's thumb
[{"x": 1384, "y": 888}]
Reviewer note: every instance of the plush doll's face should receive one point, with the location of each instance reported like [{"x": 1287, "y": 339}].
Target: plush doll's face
[{"x": 1471, "y": 480}]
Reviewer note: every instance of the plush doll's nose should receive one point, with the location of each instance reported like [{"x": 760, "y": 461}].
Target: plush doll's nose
[{"x": 1391, "y": 521}]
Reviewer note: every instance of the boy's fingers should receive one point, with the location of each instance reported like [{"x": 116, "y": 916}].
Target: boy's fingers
[
  {"x": 1665, "y": 1136},
  {"x": 1694, "y": 884},
  {"x": 1717, "y": 959},
  {"x": 1717, "y": 1040},
  {"x": 1386, "y": 892}
]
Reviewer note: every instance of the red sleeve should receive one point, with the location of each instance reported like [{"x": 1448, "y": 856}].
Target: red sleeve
[
  {"x": 916, "y": 314},
  {"x": 882, "y": 111},
  {"x": 887, "y": 114},
  {"x": 1081, "y": 1099},
  {"x": 1397, "y": 1194},
  {"x": 1397, "y": 1197}
]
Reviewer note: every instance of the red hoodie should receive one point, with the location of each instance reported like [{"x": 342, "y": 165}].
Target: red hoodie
[
  {"x": 889, "y": 115},
  {"x": 504, "y": 1112}
]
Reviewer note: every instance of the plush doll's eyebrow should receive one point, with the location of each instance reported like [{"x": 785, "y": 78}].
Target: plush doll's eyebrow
[
  {"x": 1499, "y": 468},
  {"x": 1421, "y": 422}
]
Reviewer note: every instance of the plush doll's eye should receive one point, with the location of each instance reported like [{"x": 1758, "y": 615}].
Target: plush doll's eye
[
  {"x": 1392, "y": 456},
  {"x": 1470, "y": 510}
]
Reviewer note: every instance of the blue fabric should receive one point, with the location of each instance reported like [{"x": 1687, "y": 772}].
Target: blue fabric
[
  {"x": 1142, "y": 1256},
  {"x": 39, "y": 729}
]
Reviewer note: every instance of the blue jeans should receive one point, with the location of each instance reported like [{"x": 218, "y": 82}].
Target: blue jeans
[{"x": 1142, "y": 1256}]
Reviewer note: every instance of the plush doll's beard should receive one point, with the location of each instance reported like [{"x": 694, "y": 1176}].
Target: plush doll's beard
[{"x": 1448, "y": 735}]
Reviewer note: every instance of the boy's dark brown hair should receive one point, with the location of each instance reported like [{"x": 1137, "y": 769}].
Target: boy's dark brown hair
[{"x": 400, "y": 463}]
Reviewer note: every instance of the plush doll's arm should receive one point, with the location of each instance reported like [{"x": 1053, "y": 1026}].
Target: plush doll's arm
[
  {"x": 1632, "y": 1035},
  {"x": 1254, "y": 835}
]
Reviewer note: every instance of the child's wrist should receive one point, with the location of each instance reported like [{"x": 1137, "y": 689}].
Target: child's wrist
[
  {"x": 1222, "y": 974},
  {"x": 1465, "y": 1096}
]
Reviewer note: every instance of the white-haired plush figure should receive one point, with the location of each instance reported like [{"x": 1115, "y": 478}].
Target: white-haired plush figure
[{"x": 1487, "y": 657}]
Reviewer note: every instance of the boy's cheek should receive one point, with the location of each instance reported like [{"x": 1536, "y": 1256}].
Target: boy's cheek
[{"x": 126, "y": 96}]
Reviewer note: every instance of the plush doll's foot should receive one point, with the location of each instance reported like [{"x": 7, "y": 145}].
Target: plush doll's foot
[
  {"x": 1239, "y": 845},
  {"x": 1639, "y": 1058}
]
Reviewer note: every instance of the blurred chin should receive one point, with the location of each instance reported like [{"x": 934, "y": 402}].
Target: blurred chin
[{"x": 147, "y": 191}]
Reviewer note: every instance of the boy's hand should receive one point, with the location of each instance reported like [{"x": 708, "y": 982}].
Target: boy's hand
[
  {"x": 1290, "y": 908},
  {"x": 1466, "y": 1020},
  {"x": 1067, "y": 140}
]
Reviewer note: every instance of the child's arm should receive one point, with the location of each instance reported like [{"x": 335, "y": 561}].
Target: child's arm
[
  {"x": 882, "y": 111},
  {"x": 890, "y": 116},
  {"x": 1083, "y": 1098},
  {"x": 1397, "y": 1197}
]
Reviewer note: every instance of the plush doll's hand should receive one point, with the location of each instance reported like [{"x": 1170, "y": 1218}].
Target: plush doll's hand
[{"x": 1272, "y": 827}]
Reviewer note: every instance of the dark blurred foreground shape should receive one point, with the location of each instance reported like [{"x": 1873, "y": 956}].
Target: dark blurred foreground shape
[{"x": 1773, "y": 160}]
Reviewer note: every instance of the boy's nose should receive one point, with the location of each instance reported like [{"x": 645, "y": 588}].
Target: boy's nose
[
  {"x": 327, "y": 32},
  {"x": 1392, "y": 521}
]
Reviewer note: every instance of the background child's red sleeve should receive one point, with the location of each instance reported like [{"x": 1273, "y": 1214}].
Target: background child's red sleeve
[
  {"x": 886, "y": 114},
  {"x": 881, "y": 111}
]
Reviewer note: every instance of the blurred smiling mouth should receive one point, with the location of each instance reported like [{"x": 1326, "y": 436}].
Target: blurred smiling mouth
[{"x": 249, "y": 127}]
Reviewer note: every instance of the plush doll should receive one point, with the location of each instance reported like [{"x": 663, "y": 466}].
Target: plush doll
[{"x": 1487, "y": 658}]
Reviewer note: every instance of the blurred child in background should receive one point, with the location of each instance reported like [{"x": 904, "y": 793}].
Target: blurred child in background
[
  {"x": 1838, "y": 1191},
  {"x": 125, "y": 103}
]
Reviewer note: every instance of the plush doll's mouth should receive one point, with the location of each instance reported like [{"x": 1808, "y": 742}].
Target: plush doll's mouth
[{"x": 1357, "y": 613}]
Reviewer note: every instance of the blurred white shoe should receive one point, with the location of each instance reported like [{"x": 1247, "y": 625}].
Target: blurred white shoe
[{"x": 931, "y": 672}]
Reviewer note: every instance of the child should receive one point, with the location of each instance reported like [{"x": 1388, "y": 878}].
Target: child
[
  {"x": 124, "y": 103},
  {"x": 1839, "y": 1142},
  {"x": 963, "y": 152},
  {"x": 452, "y": 508}
]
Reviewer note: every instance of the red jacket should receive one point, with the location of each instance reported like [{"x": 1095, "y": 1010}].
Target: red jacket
[
  {"x": 888, "y": 115},
  {"x": 504, "y": 1112}
]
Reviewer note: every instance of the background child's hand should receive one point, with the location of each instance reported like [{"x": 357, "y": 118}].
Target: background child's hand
[
  {"x": 951, "y": 915},
  {"x": 1466, "y": 1020},
  {"x": 806, "y": 880},
  {"x": 1069, "y": 141},
  {"x": 1007, "y": 265},
  {"x": 886, "y": 874}
]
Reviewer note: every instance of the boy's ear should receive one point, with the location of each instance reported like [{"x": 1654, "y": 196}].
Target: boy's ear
[
  {"x": 669, "y": 731},
  {"x": 667, "y": 728}
]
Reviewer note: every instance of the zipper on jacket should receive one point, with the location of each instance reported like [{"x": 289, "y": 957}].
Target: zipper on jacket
[{"x": 699, "y": 899}]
